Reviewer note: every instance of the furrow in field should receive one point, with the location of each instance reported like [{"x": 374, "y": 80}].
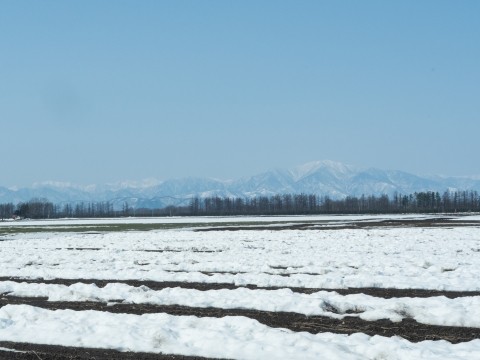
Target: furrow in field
[
  {"x": 385, "y": 293},
  {"x": 425, "y": 223},
  {"x": 407, "y": 328},
  {"x": 28, "y": 351}
]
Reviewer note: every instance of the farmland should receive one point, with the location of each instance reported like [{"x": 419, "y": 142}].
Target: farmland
[{"x": 298, "y": 287}]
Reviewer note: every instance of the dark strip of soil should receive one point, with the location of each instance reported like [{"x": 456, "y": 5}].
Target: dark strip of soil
[
  {"x": 385, "y": 293},
  {"x": 55, "y": 352},
  {"x": 141, "y": 250},
  {"x": 312, "y": 225},
  {"x": 407, "y": 328}
]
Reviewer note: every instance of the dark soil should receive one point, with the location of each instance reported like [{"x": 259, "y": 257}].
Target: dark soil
[
  {"x": 386, "y": 293},
  {"x": 54, "y": 352},
  {"x": 408, "y": 328},
  {"x": 313, "y": 225},
  {"x": 142, "y": 250}
]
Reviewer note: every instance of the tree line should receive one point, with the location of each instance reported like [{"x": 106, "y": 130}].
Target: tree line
[
  {"x": 40, "y": 208},
  {"x": 298, "y": 204},
  {"x": 285, "y": 204}
]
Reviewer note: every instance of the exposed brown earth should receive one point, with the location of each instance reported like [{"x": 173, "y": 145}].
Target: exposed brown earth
[
  {"x": 29, "y": 351},
  {"x": 385, "y": 293},
  {"x": 366, "y": 224}
]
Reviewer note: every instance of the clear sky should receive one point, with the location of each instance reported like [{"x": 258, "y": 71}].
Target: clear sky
[{"x": 103, "y": 91}]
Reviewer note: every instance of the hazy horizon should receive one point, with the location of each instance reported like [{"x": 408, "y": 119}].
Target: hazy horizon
[{"x": 102, "y": 92}]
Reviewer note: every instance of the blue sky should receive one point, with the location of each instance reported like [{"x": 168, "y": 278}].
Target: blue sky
[{"x": 102, "y": 91}]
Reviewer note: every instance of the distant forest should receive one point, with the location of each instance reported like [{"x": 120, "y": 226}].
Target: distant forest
[{"x": 286, "y": 204}]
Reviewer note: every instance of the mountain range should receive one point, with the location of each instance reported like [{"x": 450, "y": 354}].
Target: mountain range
[{"x": 326, "y": 177}]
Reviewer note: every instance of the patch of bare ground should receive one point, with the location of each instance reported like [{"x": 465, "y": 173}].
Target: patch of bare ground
[
  {"x": 194, "y": 250},
  {"x": 385, "y": 293},
  {"x": 408, "y": 328},
  {"x": 29, "y": 351},
  {"x": 312, "y": 225}
]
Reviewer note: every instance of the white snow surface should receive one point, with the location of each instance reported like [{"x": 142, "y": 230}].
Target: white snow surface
[
  {"x": 422, "y": 258},
  {"x": 231, "y": 337},
  {"x": 444, "y": 258}
]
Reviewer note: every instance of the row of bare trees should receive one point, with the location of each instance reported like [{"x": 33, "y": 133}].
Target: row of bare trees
[
  {"x": 44, "y": 209},
  {"x": 419, "y": 202}
]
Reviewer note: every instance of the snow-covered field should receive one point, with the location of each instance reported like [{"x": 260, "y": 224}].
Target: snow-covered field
[{"x": 234, "y": 264}]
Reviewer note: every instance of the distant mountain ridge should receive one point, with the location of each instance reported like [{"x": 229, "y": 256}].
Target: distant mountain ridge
[{"x": 325, "y": 177}]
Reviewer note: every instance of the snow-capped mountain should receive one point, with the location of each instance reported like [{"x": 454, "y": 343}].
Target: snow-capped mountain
[{"x": 330, "y": 178}]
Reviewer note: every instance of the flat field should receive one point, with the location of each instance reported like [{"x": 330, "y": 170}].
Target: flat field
[{"x": 297, "y": 287}]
